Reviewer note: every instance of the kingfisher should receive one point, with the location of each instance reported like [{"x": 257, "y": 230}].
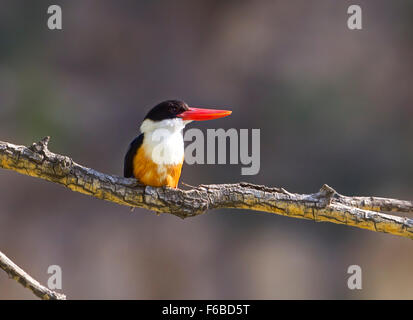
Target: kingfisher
[{"x": 156, "y": 156}]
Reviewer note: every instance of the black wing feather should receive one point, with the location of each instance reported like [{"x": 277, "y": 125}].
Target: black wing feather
[{"x": 133, "y": 148}]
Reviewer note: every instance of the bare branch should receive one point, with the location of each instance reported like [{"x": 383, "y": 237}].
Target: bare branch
[
  {"x": 27, "y": 281},
  {"x": 325, "y": 205},
  {"x": 377, "y": 204}
]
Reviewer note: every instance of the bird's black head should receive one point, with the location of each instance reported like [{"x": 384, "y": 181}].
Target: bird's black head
[{"x": 169, "y": 109}]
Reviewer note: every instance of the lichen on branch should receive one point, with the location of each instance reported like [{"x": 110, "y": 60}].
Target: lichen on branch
[{"x": 325, "y": 205}]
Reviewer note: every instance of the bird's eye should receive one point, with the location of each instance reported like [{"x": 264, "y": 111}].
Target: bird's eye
[{"x": 174, "y": 109}]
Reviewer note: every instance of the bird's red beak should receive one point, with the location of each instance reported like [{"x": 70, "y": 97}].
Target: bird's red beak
[{"x": 198, "y": 114}]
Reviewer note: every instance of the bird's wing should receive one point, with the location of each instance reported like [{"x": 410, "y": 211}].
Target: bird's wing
[{"x": 133, "y": 148}]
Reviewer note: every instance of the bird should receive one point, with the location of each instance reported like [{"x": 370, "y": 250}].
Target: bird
[{"x": 155, "y": 157}]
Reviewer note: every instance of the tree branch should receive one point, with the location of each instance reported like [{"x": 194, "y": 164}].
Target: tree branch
[
  {"x": 27, "y": 281},
  {"x": 325, "y": 205}
]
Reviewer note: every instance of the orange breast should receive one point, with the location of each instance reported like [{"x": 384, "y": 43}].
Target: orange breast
[{"x": 152, "y": 174}]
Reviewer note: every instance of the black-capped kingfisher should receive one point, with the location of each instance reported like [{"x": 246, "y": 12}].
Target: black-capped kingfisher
[{"x": 156, "y": 156}]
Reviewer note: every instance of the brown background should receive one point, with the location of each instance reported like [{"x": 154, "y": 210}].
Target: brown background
[{"x": 334, "y": 106}]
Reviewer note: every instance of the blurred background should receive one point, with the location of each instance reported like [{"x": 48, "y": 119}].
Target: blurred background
[{"x": 334, "y": 106}]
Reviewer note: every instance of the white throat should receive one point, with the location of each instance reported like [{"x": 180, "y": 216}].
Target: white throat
[{"x": 163, "y": 141}]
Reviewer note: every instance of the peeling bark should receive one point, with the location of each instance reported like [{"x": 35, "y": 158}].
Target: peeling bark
[{"x": 325, "y": 205}]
